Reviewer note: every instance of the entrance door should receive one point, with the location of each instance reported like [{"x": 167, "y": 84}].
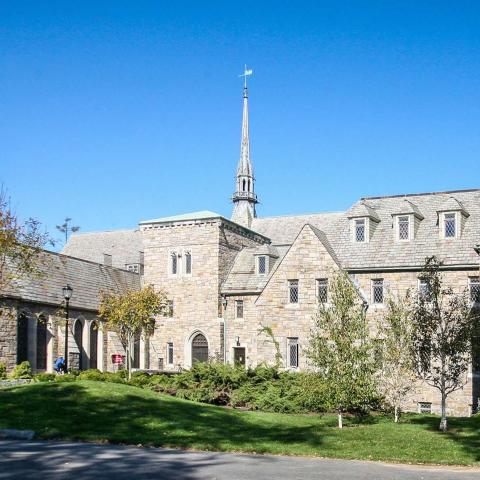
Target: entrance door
[
  {"x": 239, "y": 356},
  {"x": 199, "y": 349}
]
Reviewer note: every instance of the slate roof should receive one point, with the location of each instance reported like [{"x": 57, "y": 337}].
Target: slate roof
[
  {"x": 201, "y": 215},
  {"x": 86, "y": 278},
  {"x": 123, "y": 245}
]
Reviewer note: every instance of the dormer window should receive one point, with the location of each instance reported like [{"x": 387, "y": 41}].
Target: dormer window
[
  {"x": 360, "y": 228},
  {"x": 450, "y": 225},
  {"x": 403, "y": 228},
  {"x": 262, "y": 265}
]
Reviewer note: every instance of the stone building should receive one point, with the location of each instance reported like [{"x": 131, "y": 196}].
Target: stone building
[{"x": 228, "y": 278}]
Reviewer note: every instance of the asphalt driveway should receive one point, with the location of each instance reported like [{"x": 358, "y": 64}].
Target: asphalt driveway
[{"x": 69, "y": 460}]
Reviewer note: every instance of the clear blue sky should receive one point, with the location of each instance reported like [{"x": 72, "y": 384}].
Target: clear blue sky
[{"x": 114, "y": 112}]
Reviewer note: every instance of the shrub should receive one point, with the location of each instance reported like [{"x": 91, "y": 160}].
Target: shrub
[
  {"x": 140, "y": 379},
  {"x": 3, "y": 371},
  {"x": 117, "y": 377},
  {"x": 45, "y": 377},
  {"x": 22, "y": 370},
  {"x": 91, "y": 374},
  {"x": 65, "y": 378}
]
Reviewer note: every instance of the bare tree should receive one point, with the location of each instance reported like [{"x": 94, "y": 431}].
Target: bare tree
[
  {"x": 445, "y": 326},
  {"x": 67, "y": 229}
]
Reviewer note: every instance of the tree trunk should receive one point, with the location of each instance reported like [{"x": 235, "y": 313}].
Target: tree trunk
[
  {"x": 397, "y": 413},
  {"x": 443, "y": 421},
  {"x": 129, "y": 357},
  {"x": 340, "y": 419}
]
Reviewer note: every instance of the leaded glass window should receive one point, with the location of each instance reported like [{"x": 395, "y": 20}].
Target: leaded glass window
[
  {"x": 293, "y": 352},
  {"x": 188, "y": 263},
  {"x": 293, "y": 291},
  {"x": 475, "y": 289},
  {"x": 403, "y": 228},
  {"x": 262, "y": 265},
  {"x": 170, "y": 353},
  {"x": 360, "y": 230},
  {"x": 377, "y": 290},
  {"x": 322, "y": 290},
  {"x": 173, "y": 263},
  {"x": 423, "y": 288},
  {"x": 450, "y": 225},
  {"x": 424, "y": 407},
  {"x": 239, "y": 309}
]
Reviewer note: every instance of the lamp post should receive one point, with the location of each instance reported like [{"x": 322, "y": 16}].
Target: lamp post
[{"x": 67, "y": 295}]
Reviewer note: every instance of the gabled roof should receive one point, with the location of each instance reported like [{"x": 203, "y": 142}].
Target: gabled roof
[
  {"x": 409, "y": 208},
  {"x": 363, "y": 209},
  {"x": 453, "y": 205},
  {"x": 324, "y": 240}
]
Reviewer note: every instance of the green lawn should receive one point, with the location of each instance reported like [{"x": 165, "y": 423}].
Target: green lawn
[{"x": 98, "y": 411}]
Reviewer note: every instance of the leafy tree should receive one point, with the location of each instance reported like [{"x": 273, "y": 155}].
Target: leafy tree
[
  {"x": 340, "y": 349},
  {"x": 132, "y": 313},
  {"x": 66, "y": 228},
  {"x": 396, "y": 374},
  {"x": 445, "y": 325},
  {"x": 21, "y": 245}
]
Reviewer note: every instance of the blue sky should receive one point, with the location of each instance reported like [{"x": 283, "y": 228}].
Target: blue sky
[{"x": 114, "y": 112}]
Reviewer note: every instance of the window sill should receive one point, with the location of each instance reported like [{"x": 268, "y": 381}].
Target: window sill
[{"x": 292, "y": 306}]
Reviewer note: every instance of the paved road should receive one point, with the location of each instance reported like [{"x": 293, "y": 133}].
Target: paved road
[{"x": 68, "y": 460}]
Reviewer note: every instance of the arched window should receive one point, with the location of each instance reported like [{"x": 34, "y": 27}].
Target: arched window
[
  {"x": 41, "y": 343},
  {"x": 199, "y": 349},
  {"x": 78, "y": 335},
  {"x": 249, "y": 186},
  {"x": 244, "y": 183},
  {"x": 93, "y": 344},
  {"x": 136, "y": 351},
  {"x": 22, "y": 338}
]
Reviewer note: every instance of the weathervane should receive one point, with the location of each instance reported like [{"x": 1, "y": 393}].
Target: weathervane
[{"x": 246, "y": 74}]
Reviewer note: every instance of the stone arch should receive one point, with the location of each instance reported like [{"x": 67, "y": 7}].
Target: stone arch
[
  {"x": 23, "y": 336},
  {"x": 78, "y": 337},
  {"x": 199, "y": 346}
]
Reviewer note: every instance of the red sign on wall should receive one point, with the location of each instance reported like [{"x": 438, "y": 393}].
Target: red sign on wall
[{"x": 117, "y": 358}]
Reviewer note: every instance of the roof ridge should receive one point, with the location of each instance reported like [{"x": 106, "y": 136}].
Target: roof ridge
[
  {"x": 445, "y": 192},
  {"x": 301, "y": 214}
]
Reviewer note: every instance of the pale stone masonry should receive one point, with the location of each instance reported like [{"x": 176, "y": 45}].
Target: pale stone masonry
[{"x": 226, "y": 279}]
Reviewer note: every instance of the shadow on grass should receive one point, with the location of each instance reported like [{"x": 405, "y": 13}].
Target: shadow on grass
[
  {"x": 110, "y": 412},
  {"x": 464, "y": 431}
]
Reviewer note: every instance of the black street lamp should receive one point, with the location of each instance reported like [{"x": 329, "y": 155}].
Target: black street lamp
[{"x": 67, "y": 295}]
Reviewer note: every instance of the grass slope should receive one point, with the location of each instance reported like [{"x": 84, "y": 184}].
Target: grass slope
[{"x": 98, "y": 411}]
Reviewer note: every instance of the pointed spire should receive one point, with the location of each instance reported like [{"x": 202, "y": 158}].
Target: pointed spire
[{"x": 244, "y": 198}]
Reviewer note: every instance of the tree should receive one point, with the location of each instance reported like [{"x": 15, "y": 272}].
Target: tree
[
  {"x": 66, "y": 229},
  {"x": 21, "y": 245},
  {"x": 396, "y": 375},
  {"x": 132, "y": 313},
  {"x": 445, "y": 325},
  {"x": 266, "y": 330},
  {"x": 340, "y": 349}
]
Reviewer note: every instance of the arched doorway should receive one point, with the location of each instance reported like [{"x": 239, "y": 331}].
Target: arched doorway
[
  {"x": 199, "y": 349},
  {"x": 93, "y": 344},
  {"x": 22, "y": 338},
  {"x": 42, "y": 343},
  {"x": 78, "y": 336}
]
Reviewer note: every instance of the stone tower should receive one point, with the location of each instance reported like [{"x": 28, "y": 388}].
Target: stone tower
[{"x": 244, "y": 198}]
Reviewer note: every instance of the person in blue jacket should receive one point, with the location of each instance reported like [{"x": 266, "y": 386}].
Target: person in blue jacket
[{"x": 59, "y": 365}]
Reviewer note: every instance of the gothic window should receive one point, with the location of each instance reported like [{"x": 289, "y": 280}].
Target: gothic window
[
  {"x": 322, "y": 290},
  {"x": 170, "y": 353},
  {"x": 249, "y": 186},
  {"x": 244, "y": 183},
  {"x": 199, "y": 349},
  {"x": 450, "y": 229},
  {"x": 360, "y": 230},
  {"x": 377, "y": 290},
  {"x": 22, "y": 338},
  {"x": 42, "y": 343},
  {"x": 293, "y": 291},
  {"x": 93, "y": 344},
  {"x": 78, "y": 336},
  {"x": 173, "y": 263},
  {"x": 475, "y": 289},
  {"x": 292, "y": 352},
  {"x": 188, "y": 263},
  {"x": 262, "y": 265},
  {"x": 239, "y": 309},
  {"x": 403, "y": 228}
]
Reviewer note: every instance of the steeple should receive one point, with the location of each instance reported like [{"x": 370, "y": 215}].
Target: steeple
[{"x": 244, "y": 198}]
